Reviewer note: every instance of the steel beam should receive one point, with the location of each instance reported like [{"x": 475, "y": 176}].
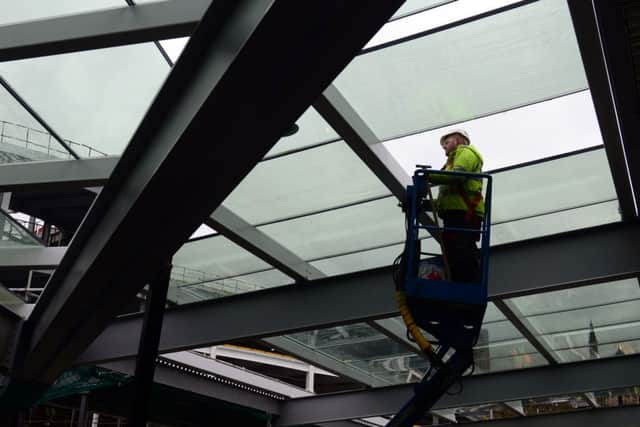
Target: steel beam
[
  {"x": 601, "y": 374},
  {"x": 214, "y": 85},
  {"x": 264, "y": 358},
  {"x": 527, "y": 329},
  {"x": 597, "y": 71},
  {"x": 258, "y": 243},
  {"x": 56, "y": 174},
  {"x": 234, "y": 373},
  {"x": 183, "y": 380},
  {"x": 95, "y": 30},
  {"x": 34, "y": 257},
  {"x": 578, "y": 258},
  {"x": 618, "y": 417},
  {"x": 336, "y": 110},
  {"x": 616, "y": 27}
]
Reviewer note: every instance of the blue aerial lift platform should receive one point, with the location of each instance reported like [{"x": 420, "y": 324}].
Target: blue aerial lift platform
[{"x": 449, "y": 311}]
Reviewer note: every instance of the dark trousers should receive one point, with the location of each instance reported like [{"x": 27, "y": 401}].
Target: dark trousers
[{"x": 460, "y": 247}]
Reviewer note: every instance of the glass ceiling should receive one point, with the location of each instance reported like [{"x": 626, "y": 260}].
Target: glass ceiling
[
  {"x": 95, "y": 98},
  {"x": 14, "y": 11},
  {"x": 519, "y": 89},
  {"x": 590, "y": 322},
  {"x": 483, "y": 67}
]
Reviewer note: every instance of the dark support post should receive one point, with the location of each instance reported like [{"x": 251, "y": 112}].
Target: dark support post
[
  {"x": 148, "y": 348},
  {"x": 82, "y": 414}
]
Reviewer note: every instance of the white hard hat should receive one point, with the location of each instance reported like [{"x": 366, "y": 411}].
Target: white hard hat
[{"x": 453, "y": 132}]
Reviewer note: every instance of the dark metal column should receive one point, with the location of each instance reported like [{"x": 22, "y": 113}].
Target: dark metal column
[{"x": 148, "y": 348}]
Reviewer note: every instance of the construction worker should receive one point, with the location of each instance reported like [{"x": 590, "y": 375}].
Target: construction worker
[{"x": 460, "y": 205}]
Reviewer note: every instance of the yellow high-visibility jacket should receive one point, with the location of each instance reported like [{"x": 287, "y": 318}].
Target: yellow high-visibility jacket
[{"x": 454, "y": 189}]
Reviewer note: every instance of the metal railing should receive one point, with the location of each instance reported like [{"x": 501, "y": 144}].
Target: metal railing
[{"x": 42, "y": 142}]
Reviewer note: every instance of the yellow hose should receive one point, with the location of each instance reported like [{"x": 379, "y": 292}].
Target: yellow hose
[{"x": 423, "y": 343}]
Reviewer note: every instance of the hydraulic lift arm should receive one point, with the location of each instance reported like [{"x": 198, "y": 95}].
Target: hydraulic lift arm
[{"x": 452, "y": 312}]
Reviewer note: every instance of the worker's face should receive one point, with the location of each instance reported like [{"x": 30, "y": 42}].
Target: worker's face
[{"x": 451, "y": 142}]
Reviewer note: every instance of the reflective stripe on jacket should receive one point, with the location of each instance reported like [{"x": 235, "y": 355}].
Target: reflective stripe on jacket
[{"x": 465, "y": 158}]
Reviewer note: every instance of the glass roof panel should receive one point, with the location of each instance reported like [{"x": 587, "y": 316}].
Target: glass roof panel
[
  {"x": 433, "y": 16},
  {"x": 525, "y": 134},
  {"x": 303, "y": 183},
  {"x": 513, "y": 231},
  {"x": 355, "y": 228},
  {"x": 538, "y": 199},
  {"x": 189, "y": 286},
  {"x": 214, "y": 258},
  {"x": 366, "y": 349},
  {"x": 587, "y": 322},
  {"x": 19, "y": 11},
  {"x": 497, "y": 63},
  {"x": 22, "y": 138},
  {"x": 501, "y": 347},
  {"x": 94, "y": 98},
  {"x": 564, "y": 183}
]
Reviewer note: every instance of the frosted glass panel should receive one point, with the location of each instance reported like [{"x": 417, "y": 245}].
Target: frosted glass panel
[
  {"x": 551, "y": 186},
  {"x": 215, "y": 257},
  {"x": 309, "y": 181},
  {"x": 588, "y": 322},
  {"x": 363, "y": 347},
  {"x": 532, "y": 201},
  {"x": 500, "y": 62},
  {"x": 507, "y": 232},
  {"x": 188, "y": 286},
  {"x": 534, "y": 132},
  {"x": 355, "y": 228},
  {"x": 95, "y": 98},
  {"x": 29, "y": 10}
]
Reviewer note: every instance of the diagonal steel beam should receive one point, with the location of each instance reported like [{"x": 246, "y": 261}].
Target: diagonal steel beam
[
  {"x": 336, "y": 110},
  {"x": 264, "y": 247},
  {"x": 214, "y": 85},
  {"x": 606, "y": 253},
  {"x": 106, "y": 28},
  {"x": 617, "y": 26},
  {"x": 519, "y": 321},
  {"x": 555, "y": 380},
  {"x": 598, "y": 76}
]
